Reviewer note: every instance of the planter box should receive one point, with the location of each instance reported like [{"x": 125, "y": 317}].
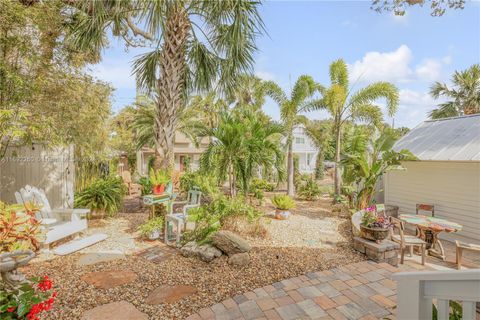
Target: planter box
[
  {"x": 374, "y": 234},
  {"x": 386, "y": 251}
]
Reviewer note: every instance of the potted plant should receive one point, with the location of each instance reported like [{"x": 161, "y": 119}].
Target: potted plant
[
  {"x": 283, "y": 204},
  {"x": 158, "y": 179},
  {"x": 152, "y": 228},
  {"x": 374, "y": 227}
]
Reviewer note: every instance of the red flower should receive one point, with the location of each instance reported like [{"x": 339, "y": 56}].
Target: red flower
[
  {"x": 11, "y": 309},
  {"x": 45, "y": 285}
]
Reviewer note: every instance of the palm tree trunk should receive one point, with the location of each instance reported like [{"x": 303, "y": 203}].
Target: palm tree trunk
[
  {"x": 171, "y": 85},
  {"x": 290, "y": 169},
  {"x": 338, "y": 176}
]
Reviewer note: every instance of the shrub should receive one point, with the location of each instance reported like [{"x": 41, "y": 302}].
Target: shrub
[
  {"x": 207, "y": 183},
  {"x": 19, "y": 229},
  {"x": 206, "y": 223},
  {"x": 146, "y": 185},
  {"x": 310, "y": 190},
  {"x": 159, "y": 177},
  {"x": 151, "y": 225},
  {"x": 260, "y": 184},
  {"x": 102, "y": 196},
  {"x": 283, "y": 202}
]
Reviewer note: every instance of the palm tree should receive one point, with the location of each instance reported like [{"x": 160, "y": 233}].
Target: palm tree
[
  {"x": 196, "y": 44},
  {"x": 464, "y": 95},
  {"x": 290, "y": 110},
  {"x": 345, "y": 105},
  {"x": 240, "y": 144},
  {"x": 320, "y": 132}
]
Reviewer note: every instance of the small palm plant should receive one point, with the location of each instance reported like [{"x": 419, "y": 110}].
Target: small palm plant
[
  {"x": 283, "y": 203},
  {"x": 159, "y": 179},
  {"x": 103, "y": 196}
]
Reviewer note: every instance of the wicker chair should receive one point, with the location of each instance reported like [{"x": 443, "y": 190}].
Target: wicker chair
[{"x": 406, "y": 241}]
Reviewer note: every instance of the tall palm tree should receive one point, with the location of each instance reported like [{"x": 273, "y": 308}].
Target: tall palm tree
[
  {"x": 320, "y": 132},
  {"x": 345, "y": 105},
  {"x": 196, "y": 44},
  {"x": 464, "y": 95},
  {"x": 290, "y": 110}
]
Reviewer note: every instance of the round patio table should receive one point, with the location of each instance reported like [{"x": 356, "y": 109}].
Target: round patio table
[{"x": 429, "y": 228}]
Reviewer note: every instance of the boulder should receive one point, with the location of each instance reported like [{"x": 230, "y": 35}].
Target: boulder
[
  {"x": 230, "y": 243},
  {"x": 204, "y": 252},
  {"x": 239, "y": 259}
]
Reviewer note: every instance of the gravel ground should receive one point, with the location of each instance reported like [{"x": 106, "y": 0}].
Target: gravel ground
[{"x": 271, "y": 261}]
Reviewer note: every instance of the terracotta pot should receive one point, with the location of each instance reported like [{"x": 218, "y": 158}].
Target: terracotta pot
[
  {"x": 282, "y": 214},
  {"x": 374, "y": 234},
  {"x": 158, "y": 189}
]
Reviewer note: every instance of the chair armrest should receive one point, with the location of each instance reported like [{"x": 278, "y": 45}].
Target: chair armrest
[{"x": 70, "y": 214}]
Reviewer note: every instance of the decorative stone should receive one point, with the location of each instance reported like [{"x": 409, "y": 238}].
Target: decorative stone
[
  {"x": 385, "y": 251},
  {"x": 230, "y": 243},
  {"x": 109, "y": 279},
  {"x": 114, "y": 311},
  {"x": 97, "y": 257},
  {"x": 204, "y": 252},
  {"x": 169, "y": 294},
  {"x": 239, "y": 259}
]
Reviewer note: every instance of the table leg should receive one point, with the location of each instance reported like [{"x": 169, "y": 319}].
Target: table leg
[{"x": 436, "y": 249}]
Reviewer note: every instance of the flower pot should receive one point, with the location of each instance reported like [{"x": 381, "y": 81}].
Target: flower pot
[
  {"x": 155, "y": 234},
  {"x": 282, "y": 214},
  {"x": 158, "y": 189},
  {"x": 374, "y": 234}
]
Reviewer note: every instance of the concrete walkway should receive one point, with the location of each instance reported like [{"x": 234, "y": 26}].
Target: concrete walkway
[{"x": 362, "y": 290}]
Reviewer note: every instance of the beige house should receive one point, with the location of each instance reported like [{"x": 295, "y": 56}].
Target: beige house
[
  {"x": 184, "y": 151},
  {"x": 447, "y": 174}
]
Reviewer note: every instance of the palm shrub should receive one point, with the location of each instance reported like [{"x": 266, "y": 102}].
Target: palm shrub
[
  {"x": 309, "y": 190},
  {"x": 260, "y": 184},
  {"x": 103, "y": 196},
  {"x": 146, "y": 185},
  {"x": 283, "y": 202},
  {"x": 206, "y": 182}
]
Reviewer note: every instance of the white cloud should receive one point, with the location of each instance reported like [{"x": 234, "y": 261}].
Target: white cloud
[
  {"x": 414, "y": 107},
  {"x": 117, "y": 73},
  {"x": 396, "y": 66},
  {"x": 265, "y": 75}
]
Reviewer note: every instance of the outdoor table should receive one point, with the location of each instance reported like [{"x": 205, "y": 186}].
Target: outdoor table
[
  {"x": 154, "y": 199},
  {"x": 429, "y": 229}
]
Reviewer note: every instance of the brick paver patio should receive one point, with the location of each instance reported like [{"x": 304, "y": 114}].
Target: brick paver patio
[{"x": 361, "y": 290}]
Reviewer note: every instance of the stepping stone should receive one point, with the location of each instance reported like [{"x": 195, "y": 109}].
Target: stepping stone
[
  {"x": 115, "y": 311},
  {"x": 97, "y": 257},
  {"x": 109, "y": 279},
  {"x": 169, "y": 294},
  {"x": 79, "y": 244},
  {"x": 157, "y": 254}
]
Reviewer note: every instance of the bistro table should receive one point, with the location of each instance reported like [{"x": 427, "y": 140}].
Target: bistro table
[{"x": 429, "y": 228}]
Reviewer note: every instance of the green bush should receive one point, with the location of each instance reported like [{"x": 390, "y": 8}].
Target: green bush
[
  {"x": 260, "y": 184},
  {"x": 146, "y": 185},
  {"x": 207, "y": 183},
  {"x": 283, "y": 202},
  {"x": 309, "y": 190},
  {"x": 102, "y": 196},
  {"x": 151, "y": 225},
  {"x": 159, "y": 177}
]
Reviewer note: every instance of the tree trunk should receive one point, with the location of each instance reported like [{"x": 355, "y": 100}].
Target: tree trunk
[
  {"x": 171, "y": 85},
  {"x": 290, "y": 170},
  {"x": 338, "y": 176}
]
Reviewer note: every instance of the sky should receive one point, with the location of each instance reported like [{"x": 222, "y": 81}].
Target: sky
[{"x": 304, "y": 37}]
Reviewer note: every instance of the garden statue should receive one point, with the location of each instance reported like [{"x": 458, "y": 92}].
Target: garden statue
[{"x": 9, "y": 262}]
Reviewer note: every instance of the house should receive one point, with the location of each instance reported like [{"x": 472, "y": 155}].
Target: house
[
  {"x": 185, "y": 152},
  {"x": 305, "y": 150},
  {"x": 447, "y": 173}
]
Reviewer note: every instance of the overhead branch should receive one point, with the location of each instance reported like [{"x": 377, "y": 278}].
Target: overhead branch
[{"x": 137, "y": 31}]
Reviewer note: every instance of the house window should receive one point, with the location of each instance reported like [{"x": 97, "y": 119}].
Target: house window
[
  {"x": 299, "y": 140},
  {"x": 309, "y": 159}
]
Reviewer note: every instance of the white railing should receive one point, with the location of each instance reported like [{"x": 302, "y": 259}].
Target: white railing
[{"x": 416, "y": 291}]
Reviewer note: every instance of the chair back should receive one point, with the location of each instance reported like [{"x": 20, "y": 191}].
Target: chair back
[
  {"x": 194, "y": 196},
  {"x": 398, "y": 225},
  {"x": 169, "y": 187},
  {"x": 127, "y": 177},
  {"x": 430, "y": 208},
  {"x": 37, "y": 196}
]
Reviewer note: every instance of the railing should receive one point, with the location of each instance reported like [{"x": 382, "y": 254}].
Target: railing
[{"x": 416, "y": 291}]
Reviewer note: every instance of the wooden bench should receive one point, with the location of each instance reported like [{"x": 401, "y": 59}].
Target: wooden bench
[{"x": 460, "y": 246}]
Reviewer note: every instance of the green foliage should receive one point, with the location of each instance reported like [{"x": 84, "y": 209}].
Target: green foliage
[
  {"x": 398, "y": 7},
  {"x": 19, "y": 229},
  {"x": 207, "y": 183},
  {"x": 283, "y": 202},
  {"x": 158, "y": 177},
  {"x": 151, "y": 225},
  {"x": 146, "y": 185},
  {"x": 456, "y": 311},
  {"x": 103, "y": 195},
  {"x": 260, "y": 184},
  {"x": 309, "y": 190}
]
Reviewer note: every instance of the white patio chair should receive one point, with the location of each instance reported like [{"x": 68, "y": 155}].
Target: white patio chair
[{"x": 59, "y": 223}]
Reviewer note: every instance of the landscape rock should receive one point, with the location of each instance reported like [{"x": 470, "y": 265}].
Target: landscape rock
[
  {"x": 109, "y": 279},
  {"x": 114, "y": 311},
  {"x": 230, "y": 243},
  {"x": 239, "y": 259},
  {"x": 204, "y": 252},
  {"x": 169, "y": 294}
]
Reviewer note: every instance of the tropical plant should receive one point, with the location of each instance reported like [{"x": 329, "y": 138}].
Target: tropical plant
[
  {"x": 309, "y": 190},
  {"x": 368, "y": 166},
  {"x": 290, "y": 110},
  {"x": 455, "y": 312},
  {"x": 345, "y": 105},
  {"x": 196, "y": 44},
  {"x": 464, "y": 95},
  {"x": 146, "y": 185},
  {"x": 283, "y": 202},
  {"x": 19, "y": 228},
  {"x": 320, "y": 132},
  {"x": 28, "y": 300},
  {"x": 206, "y": 182},
  {"x": 240, "y": 144},
  {"x": 260, "y": 184},
  {"x": 155, "y": 224},
  {"x": 102, "y": 196},
  {"x": 158, "y": 177}
]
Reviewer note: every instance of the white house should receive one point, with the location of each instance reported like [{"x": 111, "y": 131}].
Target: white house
[
  {"x": 447, "y": 174},
  {"x": 305, "y": 150}
]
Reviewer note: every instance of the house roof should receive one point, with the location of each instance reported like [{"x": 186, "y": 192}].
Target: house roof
[{"x": 450, "y": 139}]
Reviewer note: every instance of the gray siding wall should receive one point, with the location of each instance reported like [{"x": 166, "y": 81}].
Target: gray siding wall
[{"x": 49, "y": 169}]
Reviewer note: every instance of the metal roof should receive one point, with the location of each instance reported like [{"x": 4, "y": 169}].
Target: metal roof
[{"x": 450, "y": 139}]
